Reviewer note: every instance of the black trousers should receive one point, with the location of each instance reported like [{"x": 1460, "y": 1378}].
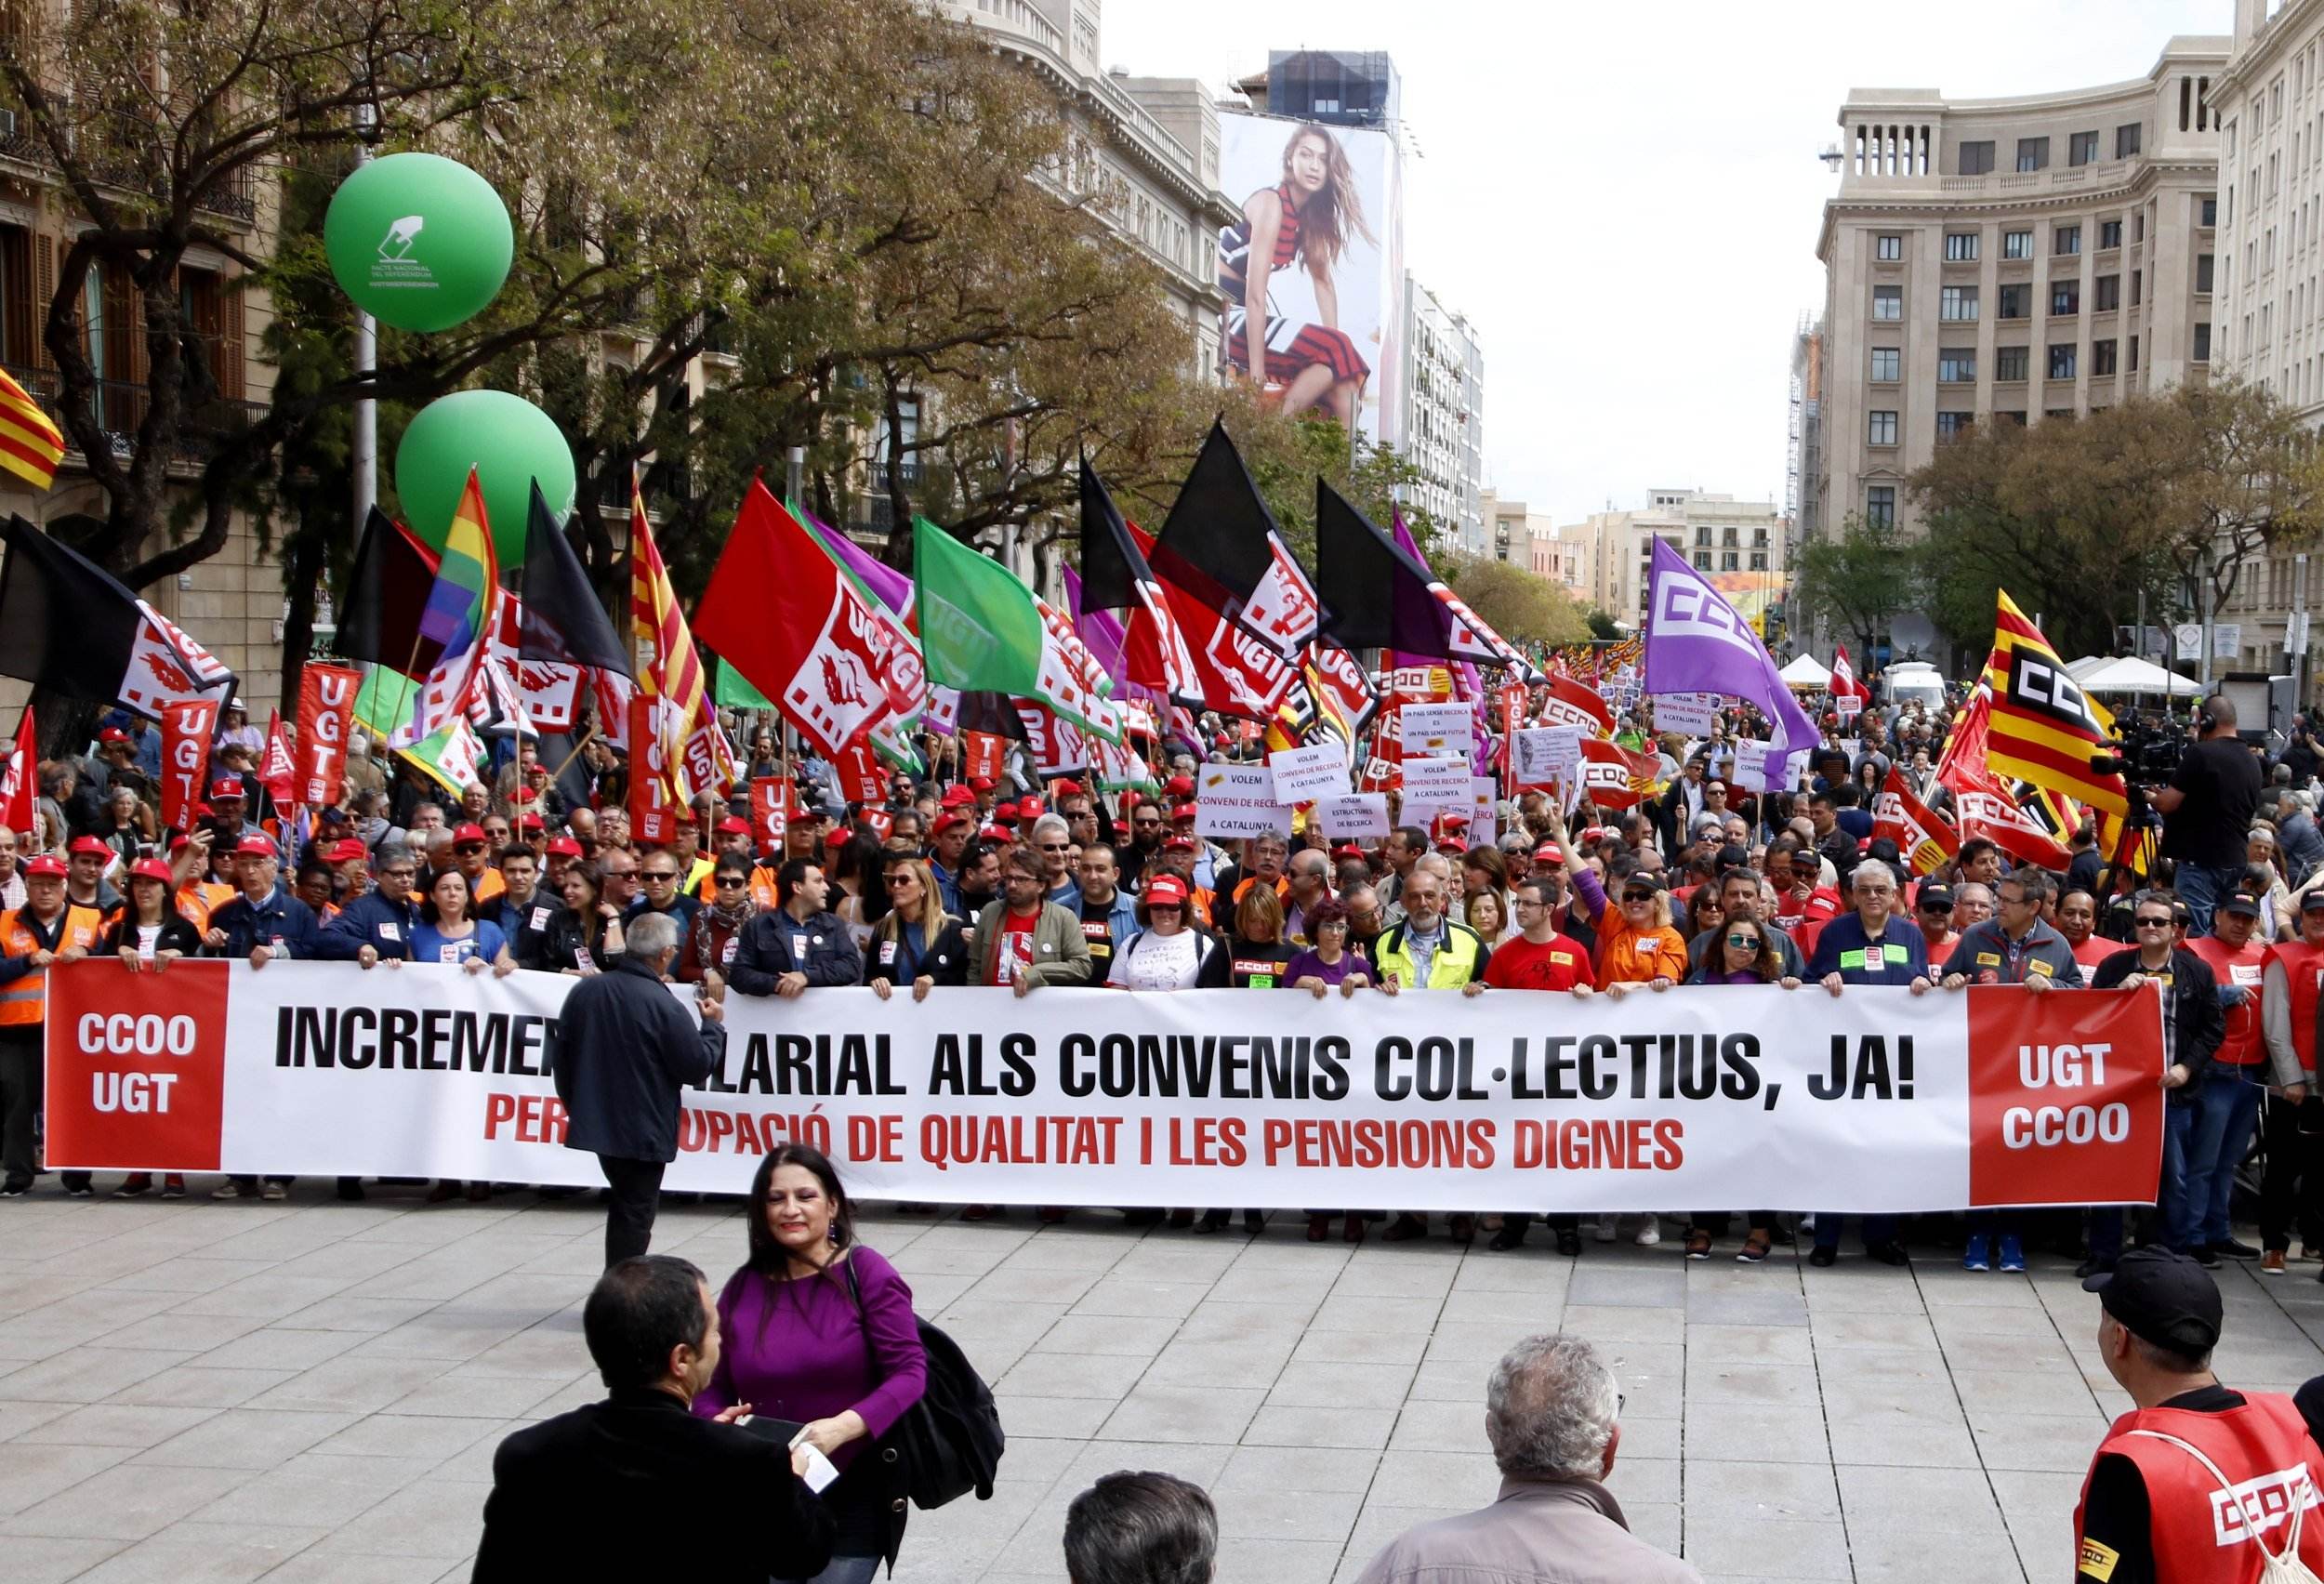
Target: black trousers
[
  {"x": 636, "y": 1194},
  {"x": 19, "y": 1102},
  {"x": 2292, "y": 1189}
]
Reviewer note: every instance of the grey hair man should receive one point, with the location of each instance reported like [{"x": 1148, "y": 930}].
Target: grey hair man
[
  {"x": 1053, "y": 842},
  {"x": 1552, "y": 1413},
  {"x": 1143, "y": 1528}
]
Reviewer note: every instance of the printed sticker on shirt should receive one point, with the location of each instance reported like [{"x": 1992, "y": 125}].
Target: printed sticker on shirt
[
  {"x": 390, "y": 931},
  {"x": 540, "y": 919},
  {"x": 2097, "y": 1561},
  {"x": 1563, "y": 959},
  {"x": 1896, "y": 954},
  {"x": 1095, "y": 932},
  {"x": 1854, "y": 958},
  {"x": 726, "y": 953},
  {"x": 798, "y": 949},
  {"x": 451, "y": 951},
  {"x": 581, "y": 957},
  {"x": 2041, "y": 967},
  {"x": 2246, "y": 973},
  {"x": 1989, "y": 960}
]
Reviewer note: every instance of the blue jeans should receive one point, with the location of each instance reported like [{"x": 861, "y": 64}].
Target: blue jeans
[
  {"x": 2106, "y": 1220},
  {"x": 2200, "y": 889},
  {"x": 2224, "y": 1112}
]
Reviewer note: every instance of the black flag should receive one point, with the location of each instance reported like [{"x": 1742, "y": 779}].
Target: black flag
[{"x": 560, "y": 619}]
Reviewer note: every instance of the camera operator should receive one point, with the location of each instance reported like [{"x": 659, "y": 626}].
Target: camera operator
[{"x": 2207, "y": 809}]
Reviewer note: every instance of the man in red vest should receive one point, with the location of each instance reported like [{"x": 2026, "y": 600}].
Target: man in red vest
[{"x": 2198, "y": 1481}]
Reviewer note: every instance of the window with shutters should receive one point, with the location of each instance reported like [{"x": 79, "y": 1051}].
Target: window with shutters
[{"x": 17, "y": 312}]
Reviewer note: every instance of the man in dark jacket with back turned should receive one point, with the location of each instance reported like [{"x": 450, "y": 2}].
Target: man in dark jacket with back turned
[
  {"x": 624, "y": 1049},
  {"x": 637, "y": 1487}
]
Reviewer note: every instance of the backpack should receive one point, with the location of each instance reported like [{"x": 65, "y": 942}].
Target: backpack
[{"x": 951, "y": 1440}]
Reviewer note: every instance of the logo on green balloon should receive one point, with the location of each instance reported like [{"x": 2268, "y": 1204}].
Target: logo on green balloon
[{"x": 420, "y": 240}]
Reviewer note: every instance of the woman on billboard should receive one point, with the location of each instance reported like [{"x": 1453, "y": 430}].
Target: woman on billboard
[{"x": 1306, "y": 216}]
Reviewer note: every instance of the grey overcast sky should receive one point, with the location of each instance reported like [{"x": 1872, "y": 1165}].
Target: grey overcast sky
[{"x": 1623, "y": 196}]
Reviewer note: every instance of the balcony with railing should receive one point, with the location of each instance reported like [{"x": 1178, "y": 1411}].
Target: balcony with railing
[{"x": 121, "y": 405}]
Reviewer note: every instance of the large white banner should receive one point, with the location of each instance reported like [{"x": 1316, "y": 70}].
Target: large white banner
[{"x": 1512, "y": 1099}]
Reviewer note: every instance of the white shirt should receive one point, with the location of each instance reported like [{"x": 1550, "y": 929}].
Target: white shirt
[{"x": 1160, "y": 962}]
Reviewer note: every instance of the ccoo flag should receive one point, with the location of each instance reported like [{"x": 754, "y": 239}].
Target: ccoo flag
[
  {"x": 2045, "y": 728},
  {"x": 1695, "y": 643},
  {"x": 982, "y": 628}
]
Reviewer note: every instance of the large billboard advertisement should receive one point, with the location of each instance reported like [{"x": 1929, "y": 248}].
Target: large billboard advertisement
[{"x": 1319, "y": 259}]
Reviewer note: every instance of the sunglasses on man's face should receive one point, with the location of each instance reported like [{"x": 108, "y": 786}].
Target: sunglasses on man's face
[
  {"x": 469, "y": 849},
  {"x": 2149, "y": 923}
]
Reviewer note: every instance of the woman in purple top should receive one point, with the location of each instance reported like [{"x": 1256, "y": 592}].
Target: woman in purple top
[
  {"x": 1331, "y": 961},
  {"x": 818, "y": 1330}
]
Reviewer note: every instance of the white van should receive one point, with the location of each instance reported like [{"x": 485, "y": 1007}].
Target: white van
[{"x": 1912, "y": 682}]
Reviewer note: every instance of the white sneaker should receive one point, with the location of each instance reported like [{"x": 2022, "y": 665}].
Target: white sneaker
[
  {"x": 1605, "y": 1229},
  {"x": 1650, "y": 1234},
  {"x": 229, "y": 1190}
]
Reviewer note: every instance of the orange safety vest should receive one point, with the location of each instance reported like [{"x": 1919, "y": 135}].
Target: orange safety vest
[
  {"x": 24, "y": 1002},
  {"x": 198, "y": 899}
]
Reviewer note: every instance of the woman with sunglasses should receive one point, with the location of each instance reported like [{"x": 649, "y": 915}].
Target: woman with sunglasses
[
  {"x": 1745, "y": 953},
  {"x": 710, "y": 940},
  {"x": 1706, "y": 913},
  {"x": 917, "y": 944}
]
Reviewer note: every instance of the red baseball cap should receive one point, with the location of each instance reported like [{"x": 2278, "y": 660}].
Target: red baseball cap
[
  {"x": 180, "y": 842},
  {"x": 44, "y": 863},
  {"x": 1347, "y": 849},
  {"x": 150, "y": 869},
  {"x": 1166, "y": 891},
  {"x": 1548, "y": 853},
  {"x": 346, "y": 852},
  {"x": 840, "y": 836},
  {"x": 563, "y": 847},
  {"x": 733, "y": 826},
  {"x": 226, "y": 787},
  {"x": 1180, "y": 844},
  {"x": 981, "y": 783},
  {"x": 534, "y": 822},
  {"x": 88, "y": 846},
  {"x": 1178, "y": 787},
  {"x": 947, "y": 822},
  {"x": 468, "y": 833},
  {"x": 957, "y": 797},
  {"x": 253, "y": 847},
  {"x": 1184, "y": 811},
  {"x": 1030, "y": 808},
  {"x": 1004, "y": 812},
  {"x": 997, "y": 833},
  {"x": 1449, "y": 844},
  {"x": 112, "y": 735},
  {"x": 1071, "y": 789}
]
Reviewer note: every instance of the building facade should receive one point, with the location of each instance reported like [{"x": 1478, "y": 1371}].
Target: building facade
[
  {"x": 2008, "y": 260},
  {"x": 1443, "y": 428},
  {"x": 1739, "y": 544},
  {"x": 1517, "y": 534},
  {"x": 2268, "y": 104}
]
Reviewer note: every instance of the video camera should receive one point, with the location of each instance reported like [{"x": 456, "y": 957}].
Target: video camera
[{"x": 2143, "y": 751}]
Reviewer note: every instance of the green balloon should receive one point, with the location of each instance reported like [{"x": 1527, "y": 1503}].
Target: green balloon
[
  {"x": 419, "y": 242},
  {"x": 509, "y": 443}
]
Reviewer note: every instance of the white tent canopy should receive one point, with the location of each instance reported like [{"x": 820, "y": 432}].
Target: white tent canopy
[
  {"x": 2132, "y": 674},
  {"x": 1807, "y": 672}
]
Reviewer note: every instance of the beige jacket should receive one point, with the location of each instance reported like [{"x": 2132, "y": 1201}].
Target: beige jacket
[{"x": 1538, "y": 1532}]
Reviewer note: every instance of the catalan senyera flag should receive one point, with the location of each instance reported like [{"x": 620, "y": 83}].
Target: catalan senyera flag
[
  {"x": 30, "y": 445},
  {"x": 2045, "y": 728},
  {"x": 672, "y": 669}
]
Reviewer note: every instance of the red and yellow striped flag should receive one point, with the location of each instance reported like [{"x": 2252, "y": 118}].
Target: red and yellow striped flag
[
  {"x": 30, "y": 445},
  {"x": 671, "y": 670},
  {"x": 2045, "y": 728}
]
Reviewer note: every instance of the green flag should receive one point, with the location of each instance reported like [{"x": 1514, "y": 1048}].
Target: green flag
[
  {"x": 732, "y": 689},
  {"x": 982, "y": 630}
]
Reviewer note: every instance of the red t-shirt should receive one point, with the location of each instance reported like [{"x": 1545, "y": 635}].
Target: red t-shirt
[
  {"x": 2241, "y": 1047},
  {"x": 1014, "y": 949},
  {"x": 1558, "y": 963}
]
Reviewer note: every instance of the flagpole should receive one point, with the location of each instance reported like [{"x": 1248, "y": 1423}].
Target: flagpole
[
  {"x": 573, "y": 753},
  {"x": 365, "y": 448}
]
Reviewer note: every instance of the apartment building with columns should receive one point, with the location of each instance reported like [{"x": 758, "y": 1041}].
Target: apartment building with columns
[{"x": 2009, "y": 260}]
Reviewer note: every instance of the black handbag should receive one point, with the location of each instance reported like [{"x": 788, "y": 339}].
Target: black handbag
[{"x": 950, "y": 1441}]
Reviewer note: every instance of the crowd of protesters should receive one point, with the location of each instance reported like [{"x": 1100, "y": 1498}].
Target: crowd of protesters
[{"x": 1047, "y": 884}]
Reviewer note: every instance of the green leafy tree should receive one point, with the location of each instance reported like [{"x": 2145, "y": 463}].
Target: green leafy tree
[
  {"x": 1858, "y": 579},
  {"x": 1522, "y": 608}
]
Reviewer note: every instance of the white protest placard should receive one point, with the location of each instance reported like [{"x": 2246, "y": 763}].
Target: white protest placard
[
  {"x": 1750, "y": 764},
  {"x": 1433, "y": 729},
  {"x": 1301, "y": 775},
  {"x": 1847, "y": 706},
  {"x": 1357, "y": 815},
  {"x": 1442, "y": 781},
  {"x": 1687, "y": 712},
  {"x": 1238, "y": 801},
  {"x": 1545, "y": 754},
  {"x": 1484, "y": 826}
]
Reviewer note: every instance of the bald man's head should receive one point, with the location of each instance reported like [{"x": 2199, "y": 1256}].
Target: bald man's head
[{"x": 2222, "y": 711}]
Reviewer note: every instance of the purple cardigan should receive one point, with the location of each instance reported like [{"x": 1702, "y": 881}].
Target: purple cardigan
[{"x": 799, "y": 1350}]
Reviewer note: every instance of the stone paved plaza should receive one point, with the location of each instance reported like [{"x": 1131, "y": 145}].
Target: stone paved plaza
[{"x": 312, "y": 1391}]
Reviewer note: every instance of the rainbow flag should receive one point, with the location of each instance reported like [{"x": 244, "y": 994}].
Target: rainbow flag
[{"x": 462, "y": 606}]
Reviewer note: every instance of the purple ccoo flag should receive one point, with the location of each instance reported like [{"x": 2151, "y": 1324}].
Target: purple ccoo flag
[{"x": 1696, "y": 642}]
